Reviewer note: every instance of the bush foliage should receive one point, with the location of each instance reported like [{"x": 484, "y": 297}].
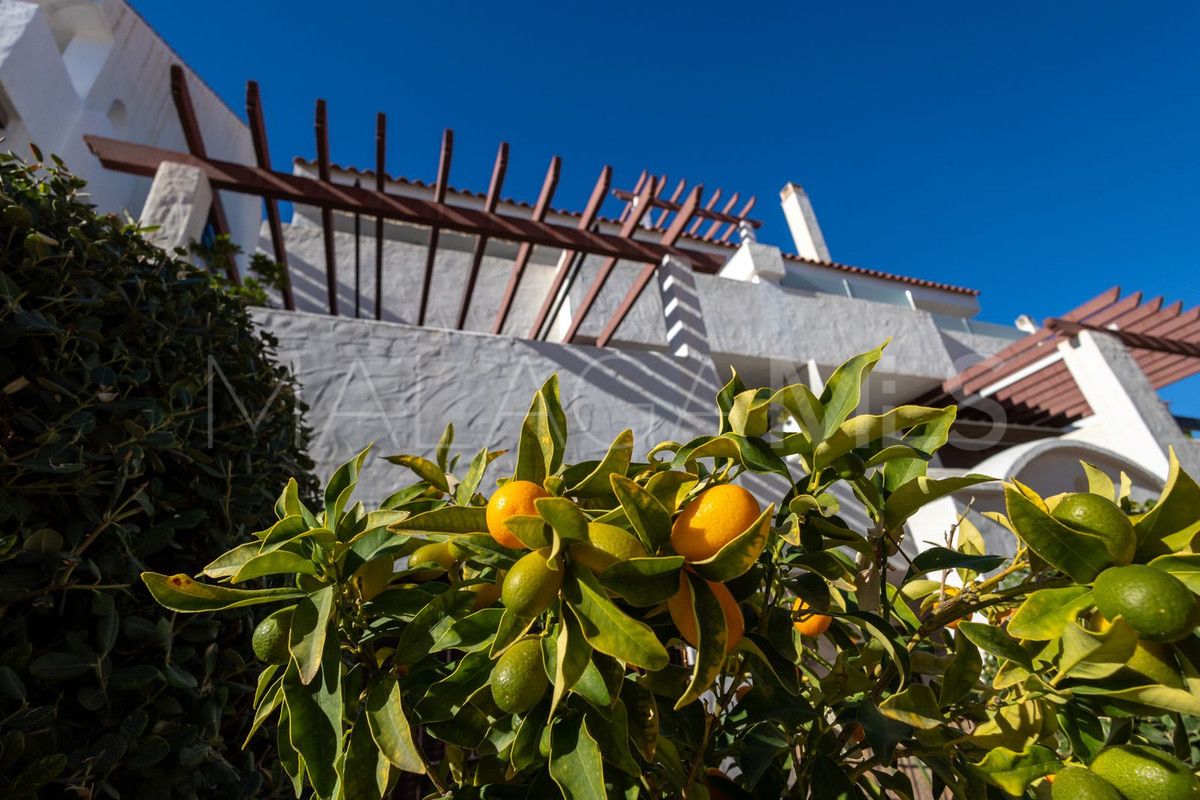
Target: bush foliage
[
  {"x": 985, "y": 672},
  {"x": 126, "y": 380}
]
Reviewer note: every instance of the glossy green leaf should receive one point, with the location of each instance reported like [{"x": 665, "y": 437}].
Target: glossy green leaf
[
  {"x": 936, "y": 559},
  {"x": 315, "y": 712},
  {"x": 1047, "y": 612},
  {"x": 705, "y": 447},
  {"x": 919, "y": 492},
  {"x": 566, "y": 657},
  {"x": 806, "y": 409},
  {"x": 181, "y": 593},
  {"x": 612, "y": 736},
  {"x": 607, "y": 628},
  {"x": 725, "y": 398},
  {"x": 447, "y": 519},
  {"x": 390, "y": 728},
  {"x": 1184, "y": 566},
  {"x": 750, "y": 413},
  {"x": 341, "y": 486},
  {"x": 469, "y": 485},
  {"x": 916, "y": 706},
  {"x": 575, "y": 761},
  {"x": 740, "y": 553},
  {"x": 418, "y": 636},
  {"x": 962, "y": 673},
  {"x": 466, "y": 634},
  {"x": 1080, "y": 555},
  {"x": 310, "y": 624},
  {"x": 649, "y": 519},
  {"x": 644, "y": 582},
  {"x": 1155, "y": 695},
  {"x": 671, "y": 487},
  {"x": 843, "y": 389},
  {"x": 1173, "y": 522},
  {"x": 564, "y": 516},
  {"x": 512, "y": 627},
  {"x": 442, "y": 452},
  {"x": 995, "y": 641},
  {"x": 534, "y": 532},
  {"x": 228, "y": 563},
  {"x": 275, "y": 562},
  {"x": 926, "y": 439},
  {"x": 1095, "y": 654},
  {"x": 1099, "y": 482},
  {"x": 712, "y": 646},
  {"x": 615, "y": 462},
  {"x": 425, "y": 469},
  {"x": 543, "y": 435},
  {"x": 883, "y": 733},
  {"x": 364, "y": 770},
  {"x": 1012, "y": 772}
]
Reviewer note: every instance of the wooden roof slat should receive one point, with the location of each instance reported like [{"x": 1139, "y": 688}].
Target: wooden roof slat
[
  {"x": 682, "y": 218},
  {"x": 499, "y": 168},
  {"x": 380, "y": 178},
  {"x": 545, "y": 196},
  {"x": 599, "y": 191},
  {"x": 262, "y": 154},
  {"x": 440, "y": 183},
  {"x": 320, "y": 124},
  {"x": 640, "y": 207}
]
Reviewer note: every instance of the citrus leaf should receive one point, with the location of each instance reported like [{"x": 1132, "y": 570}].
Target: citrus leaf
[
  {"x": 341, "y": 486},
  {"x": 469, "y": 485},
  {"x": 996, "y": 641},
  {"x": 924, "y": 440},
  {"x": 644, "y": 582},
  {"x": 512, "y": 628},
  {"x": 533, "y": 532},
  {"x": 564, "y": 516},
  {"x": 615, "y": 462},
  {"x": 882, "y": 632},
  {"x": 740, "y": 553},
  {"x": 364, "y": 770},
  {"x": 650, "y": 521},
  {"x": 915, "y": 706},
  {"x": 882, "y": 732},
  {"x": 1012, "y": 772},
  {"x": 1170, "y": 526},
  {"x": 1078, "y": 554},
  {"x": 941, "y": 558},
  {"x": 306, "y": 636},
  {"x": 315, "y": 716},
  {"x": 390, "y": 728},
  {"x": 575, "y": 761},
  {"x": 843, "y": 390},
  {"x": 181, "y": 593},
  {"x": 1095, "y": 654},
  {"x": 1184, "y": 566},
  {"x": 566, "y": 658},
  {"x": 543, "y": 435},
  {"x": 228, "y": 563},
  {"x": 447, "y": 519},
  {"x": 1156, "y": 695},
  {"x": 275, "y": 562},
  {"x": 910, "y": 497},
  {"x": 613, "y": 738},
  {"x": 670, "y": 487},
  {"x": 607, "y": 628},
  {"x": 713, "y": 638},
  {"x": 418, "y": 636},
  {"x": 749, "y": 414},
  {"x": 1099, "y": 482},
  {"x": 705, "y": 447},
  {"x": 962, "y": 673},
  {"x": 1046, "y": 613},
  {"x": 425, "y": 469}
]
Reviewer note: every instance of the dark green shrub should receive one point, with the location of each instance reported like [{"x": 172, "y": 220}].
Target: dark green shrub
[{"x": 130, "y": 391}]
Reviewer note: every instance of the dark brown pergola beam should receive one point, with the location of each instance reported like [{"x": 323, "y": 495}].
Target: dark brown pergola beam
[
  {"x": 741, "y": 215},
  {"x": 586, "y": 219},
  {"x": 672, "y": 234},
  {"x": 545, "y": 196},
  {"x": 702, "y": 214},
  {"x": 666, "y": 205},
  {"x": 499, "y": 168},
  {"x": 712, "y": 201},
  {"x": 725, "y": 217},
  {"x": 637, "y": 188},
  {"x": 630, "y": 226},
  {"x": 439, "y": 196},
  {"x": 322, "y": 131},
  {"x": 195, "y": 143},
  {"x": 380, "y": 180},
  {"x": 258, "y": 132},
  {"x": 1141, "y": 341},
  {"x": 144, "y": 160}
]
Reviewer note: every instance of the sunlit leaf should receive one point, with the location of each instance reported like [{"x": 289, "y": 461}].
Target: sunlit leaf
[{"x": 181, "y": 593}]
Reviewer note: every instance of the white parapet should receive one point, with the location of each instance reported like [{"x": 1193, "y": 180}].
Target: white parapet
[{"x": 178, "y": 205}]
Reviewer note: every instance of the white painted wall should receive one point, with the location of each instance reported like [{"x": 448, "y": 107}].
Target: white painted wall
[{"x": 75, "y": 67}]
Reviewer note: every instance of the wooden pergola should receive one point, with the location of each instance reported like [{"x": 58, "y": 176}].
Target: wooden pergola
[
  {"x": 1031, "y": 382},
  {"x": 651, "y": 223}
]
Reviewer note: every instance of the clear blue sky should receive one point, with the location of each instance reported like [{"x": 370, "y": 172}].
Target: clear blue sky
[{"x": 1039, "y": 152}]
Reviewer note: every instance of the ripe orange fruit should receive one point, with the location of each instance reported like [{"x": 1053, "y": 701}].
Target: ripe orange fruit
[
  {"x": 682, "y": 614},
  {"x": 810, "y": 624},
  {"x": 712, "y": 520},
  {"x": 514, "y": 498}
]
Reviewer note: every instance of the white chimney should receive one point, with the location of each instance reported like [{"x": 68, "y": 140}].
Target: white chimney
[{"x": 802, "y": 221}]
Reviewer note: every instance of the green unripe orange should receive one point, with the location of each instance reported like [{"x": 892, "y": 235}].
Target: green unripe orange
[
  {"x": 270, "y": 640},
  {"x": 374, "y": 576},
  {"x": 531, "y": 585},
  {"x": 1078, "y": 783},
  {"x": 519, "y": 679},
  {"x": 1145, "y": 773},
  {"x": 1101, "y": 517},
  {"x": 437, "y": 553},
  {"x": 1156, "y": 604}
]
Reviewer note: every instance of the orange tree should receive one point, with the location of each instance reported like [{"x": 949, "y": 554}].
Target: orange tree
[{"x": 622, "y": 628}]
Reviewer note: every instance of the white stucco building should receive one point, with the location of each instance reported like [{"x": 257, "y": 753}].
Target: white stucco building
[{"x": 1034, "y": 400}]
